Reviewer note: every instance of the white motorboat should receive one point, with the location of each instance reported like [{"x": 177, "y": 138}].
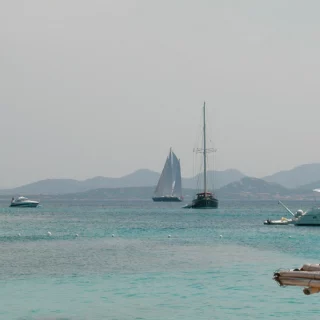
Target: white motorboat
[
  {"x": 23, "y": 202},
  {"x": 310, "y": 217}
]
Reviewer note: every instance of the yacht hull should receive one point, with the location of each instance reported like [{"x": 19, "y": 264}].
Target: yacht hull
[
  {"x": 298, "y": 224},
  {"x": 166, "y": 199},
  {"x": 205, "y": 204},
  {"x": 24, "y": 205},
  {"x": 307, "y": 224}
]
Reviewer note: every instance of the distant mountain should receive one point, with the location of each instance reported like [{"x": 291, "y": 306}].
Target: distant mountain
[
  {"x": 245, "y": 189},
  {"x": 48, "y": 186},
  {"x": 139, "y": 178},
  {"x": 129, "y": 193},
  {"x": 252, "y": 188},
  {"x": 310, "y": 186},
  {"x": 296, "y": 177},
  {"x": 305, "y": 177},
  {"x": 218, "y": 178}
]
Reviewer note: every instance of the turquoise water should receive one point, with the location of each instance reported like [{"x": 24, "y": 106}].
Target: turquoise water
[{"x": 141, "y": 260}]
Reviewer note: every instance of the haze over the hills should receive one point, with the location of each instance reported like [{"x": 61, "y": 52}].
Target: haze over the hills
[
  {"x": 245, "y": 189},
  {"x": 139, "y": 178},
  {"x": 306, "y": 177},
  {"x": 101, "y": 88},
  {"x": 298, "y": 176}
]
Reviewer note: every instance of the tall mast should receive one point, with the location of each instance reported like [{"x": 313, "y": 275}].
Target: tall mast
[{"x": 204, "y": 150}]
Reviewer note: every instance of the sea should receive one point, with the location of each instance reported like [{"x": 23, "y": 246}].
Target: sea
[{"x": 136, "y": 259}]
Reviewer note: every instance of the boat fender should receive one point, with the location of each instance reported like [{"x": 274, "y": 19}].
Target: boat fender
[{"x": 308, "y": 291}]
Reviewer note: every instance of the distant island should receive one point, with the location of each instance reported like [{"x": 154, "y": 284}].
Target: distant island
[
  {"x": 137, "y": 179},
  {"x": 229, "y": 184}
]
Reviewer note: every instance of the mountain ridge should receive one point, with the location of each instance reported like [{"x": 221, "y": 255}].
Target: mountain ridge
[
  {"x": 247, "y": 188},
  {"x": 138, "y": 178},
  {"x": 297, "y": 176},
  {"x": 304, "y": 177}
]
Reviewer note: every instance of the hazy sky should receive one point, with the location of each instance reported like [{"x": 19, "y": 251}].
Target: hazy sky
[{"x": 105, "y": 87}]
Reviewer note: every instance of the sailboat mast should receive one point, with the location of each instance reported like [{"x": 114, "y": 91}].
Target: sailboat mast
[
  {"x": 204, "y": 150},
  {"x": 172, "y": 170}
]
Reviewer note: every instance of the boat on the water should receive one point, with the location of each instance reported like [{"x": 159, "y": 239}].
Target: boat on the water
[
  {"x": 169, "y": 188},
  {"x": 204, "y": 199},
  {"x": 310, "y": 217},
  {"x": 282, "y": 221},
  {"x": 23, "y": 202},
  {"x": 308, "y": 276}
]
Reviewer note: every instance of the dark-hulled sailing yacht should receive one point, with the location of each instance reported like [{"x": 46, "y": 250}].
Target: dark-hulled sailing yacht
[
  {"x": 205, "y": 199},
  {"x": 169, "y": 187}
]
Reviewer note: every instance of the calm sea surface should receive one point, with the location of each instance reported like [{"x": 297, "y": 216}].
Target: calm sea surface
[{"x": 142, "y": 260}]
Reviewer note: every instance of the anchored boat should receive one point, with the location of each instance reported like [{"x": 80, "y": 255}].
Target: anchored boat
[
  {"x": 204, "y": 199},
  {"x": 310, "y": 217},
  {"x": 169, "y": 188},
  {"x": 23, "y": 202}
]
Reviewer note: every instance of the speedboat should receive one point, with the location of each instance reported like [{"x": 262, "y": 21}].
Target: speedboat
[
  {"x": 310, "y": 217},
  {"x": 23, "y": 202}
]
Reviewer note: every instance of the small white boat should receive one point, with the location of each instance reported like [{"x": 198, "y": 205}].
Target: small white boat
[
  {"x": 282, "y": 221},
  {"x": 310, "y": 217},
  {"x": 23, "y": 202}
]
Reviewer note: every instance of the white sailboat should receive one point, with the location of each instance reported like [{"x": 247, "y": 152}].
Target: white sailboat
[
  {"x": 169, "y": 187},
  {"x": 204, "y": 199}
]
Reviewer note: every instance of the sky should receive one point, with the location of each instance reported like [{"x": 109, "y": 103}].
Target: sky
[{"x": 106, "y": 87}]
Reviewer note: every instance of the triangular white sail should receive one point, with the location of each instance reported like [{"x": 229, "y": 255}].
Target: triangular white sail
[
  {"x": 177, "y": 188},
  {"x": 169, "y": 183}
]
